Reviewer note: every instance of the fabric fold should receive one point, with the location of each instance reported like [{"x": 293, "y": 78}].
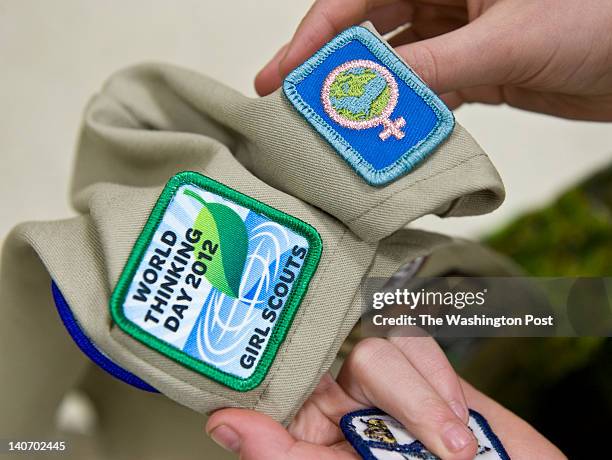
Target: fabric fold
[{"x": 154, "y": 118}]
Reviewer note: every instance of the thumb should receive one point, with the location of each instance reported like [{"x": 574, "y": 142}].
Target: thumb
[
  {"x": 472, "y": 55},
  {"x": 251, "y": 434},
  {"x": 256, "y": 436}
]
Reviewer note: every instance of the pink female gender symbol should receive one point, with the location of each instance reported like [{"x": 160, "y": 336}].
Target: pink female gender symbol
[{"x": 391, "y": 128}]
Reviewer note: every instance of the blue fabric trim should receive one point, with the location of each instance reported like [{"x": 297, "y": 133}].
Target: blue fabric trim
[
  {"x": 410, "y": 158},
  {"x": 364, "y": 447},
  {"x": 87, "y": 347}
]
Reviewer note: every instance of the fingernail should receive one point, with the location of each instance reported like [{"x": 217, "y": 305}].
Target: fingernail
[
  {"x": 457, "y": 437},
  {"x": 459, "y": 410},
  {"x": 226, "y": 438}
]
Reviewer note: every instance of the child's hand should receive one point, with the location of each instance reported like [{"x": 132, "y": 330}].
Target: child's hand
[
  {"x": 549, "y": 56},
  {"x": 409, "y": 378}
]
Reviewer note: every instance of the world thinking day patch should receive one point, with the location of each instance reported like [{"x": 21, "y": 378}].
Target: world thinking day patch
[
  {"x": 215, "y": 280},
  {"x": 369, "y": 105}
]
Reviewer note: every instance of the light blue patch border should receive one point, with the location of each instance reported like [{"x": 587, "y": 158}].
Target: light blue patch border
[{"x": 409, "y": 159}]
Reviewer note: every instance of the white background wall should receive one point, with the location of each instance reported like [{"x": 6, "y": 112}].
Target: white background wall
[{"x": 55, "y": 54}]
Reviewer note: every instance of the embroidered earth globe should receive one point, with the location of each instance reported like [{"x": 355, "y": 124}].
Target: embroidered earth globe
[
  {"x": 362, "y": 94},
  {"x": 359, "y": 94}
]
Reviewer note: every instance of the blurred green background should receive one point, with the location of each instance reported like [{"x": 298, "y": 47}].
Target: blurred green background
[{"x": 562, "y": 386}]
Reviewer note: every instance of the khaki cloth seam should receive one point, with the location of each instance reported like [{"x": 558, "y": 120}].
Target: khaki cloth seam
[{"x": 294, "y": 327}]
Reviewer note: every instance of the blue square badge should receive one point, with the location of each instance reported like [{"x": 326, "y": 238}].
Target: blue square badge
[{"x": 369, "y": 105}]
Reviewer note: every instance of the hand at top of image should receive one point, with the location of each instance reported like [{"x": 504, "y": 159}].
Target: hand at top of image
[{"x": 553, "y": 57}]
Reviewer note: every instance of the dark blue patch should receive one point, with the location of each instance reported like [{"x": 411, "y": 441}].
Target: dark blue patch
[
  {"x": 428, "y": 120},
  {"x": 87, "y": 347}
]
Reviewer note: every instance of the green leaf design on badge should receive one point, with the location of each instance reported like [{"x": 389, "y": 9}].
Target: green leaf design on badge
[{"x": 222, "y": 226}]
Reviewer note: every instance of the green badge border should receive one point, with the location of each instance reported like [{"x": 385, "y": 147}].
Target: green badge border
[{"x": 283, "y": 323}]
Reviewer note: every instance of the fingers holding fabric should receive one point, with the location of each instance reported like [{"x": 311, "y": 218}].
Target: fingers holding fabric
[
  {"x": 318, "y": 419},
  {"x": 381, "y": 373},
  {"x": 426, "y": 356},
  {"x": 407, "y": 396},
  {"x": 324, "y": 20},
  {"x": 429, "y": 20},
  {"x": 427, "y": 397},
  {"x": 255, "y": 436}
]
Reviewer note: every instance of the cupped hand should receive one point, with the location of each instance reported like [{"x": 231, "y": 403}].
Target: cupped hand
[
  {"x": 549, "y": 56},
  {"x": 409, "y": 378}
]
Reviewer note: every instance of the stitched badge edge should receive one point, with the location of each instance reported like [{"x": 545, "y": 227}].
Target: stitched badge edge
[
  {"x": 409, "y": 159},
  {"x": 287, "y": 315},
  {"x": 364, "y": 447}
]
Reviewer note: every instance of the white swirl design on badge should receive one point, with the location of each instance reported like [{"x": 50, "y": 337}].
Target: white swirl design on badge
[{"x": 227, "y": 321}]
